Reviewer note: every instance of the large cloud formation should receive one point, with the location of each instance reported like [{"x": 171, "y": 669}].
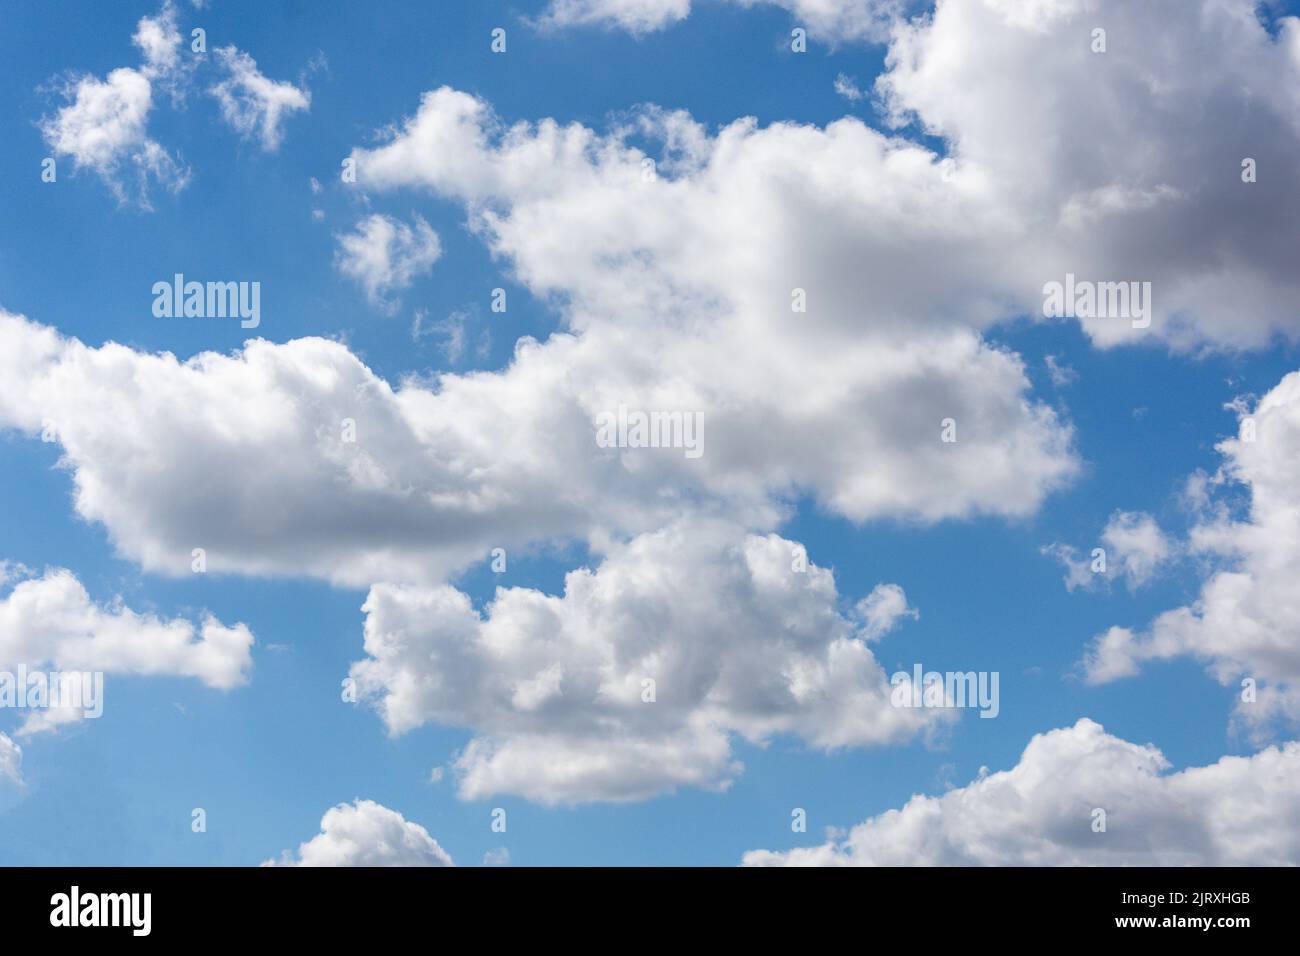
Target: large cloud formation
[
  {"x": 1101, "y": 160},
  {"x": 820, "y": 297},
  {"x": 1058, "y": 160},
  {"x": 264, "y": 478},
  {"x": 632, "y": 681},
  {"x": 1239, "y": 811}
]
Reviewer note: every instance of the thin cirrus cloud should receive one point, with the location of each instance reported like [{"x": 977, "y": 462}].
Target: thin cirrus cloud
[
  {"x": 365, "y": 833},
  {"x": 1044, "y": 811},
  {"x": 253, "y": 104}
]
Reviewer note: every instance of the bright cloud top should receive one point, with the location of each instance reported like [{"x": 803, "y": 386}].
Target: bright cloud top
[
  {"x": 364, "y": 833},
  {"x": 1043, "y": 812}
]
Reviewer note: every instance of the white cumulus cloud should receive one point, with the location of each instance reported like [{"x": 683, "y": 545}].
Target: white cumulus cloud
[
  {"x": 50, "y": 622},
  {"x": 1245, "y": 623},
  {"x": 384, "y": 255},
  {"x": 104, "y": 126},
  {"x": 632, "y": 682},
  {"x": 1239, "y": 811},
  {"x": 365, "y": 833}
]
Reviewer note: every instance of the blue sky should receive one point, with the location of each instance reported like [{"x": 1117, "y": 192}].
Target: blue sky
[{"x": 266, "y": 759}]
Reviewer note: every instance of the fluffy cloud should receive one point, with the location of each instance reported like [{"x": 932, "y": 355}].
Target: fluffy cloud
[
  {"x": 882, "y": 609},
  {"x": 1135, "y": 542},
  {"x": 734, "y": 639},
  {"x": 253, "y": 104},
  {"x": 1135, "y": 551},
  {"x": 364, "y": 833},
  {"x": 1246, "y": 620},
  {"x": 11, "y": 761},
  {"x": 384, "y": 255},
  {"x": 104, "y": 127},
  {"x": 706, "y": 266},
  {"x": 159, "y": 40},
  {"x": 718, "y": 237},
  {"x": 51, "y": 623},
  {"x": 1237, "y": 812},
  {"x": 265, "y": 482},
  {"x": 679, "y": 284}
]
